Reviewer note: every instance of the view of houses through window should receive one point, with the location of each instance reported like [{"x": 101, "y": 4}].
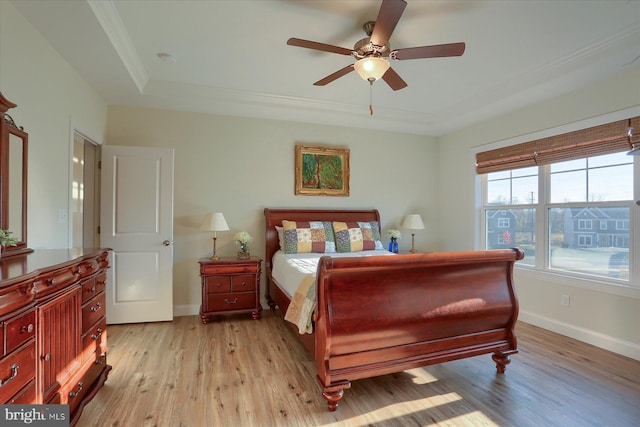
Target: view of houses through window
[{"x": 584, "y": 205}]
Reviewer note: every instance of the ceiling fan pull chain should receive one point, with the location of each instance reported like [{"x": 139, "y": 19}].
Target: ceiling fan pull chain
[{"x": 371, "y": 97}]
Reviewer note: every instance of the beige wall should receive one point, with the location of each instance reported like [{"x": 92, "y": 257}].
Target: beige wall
[
  {"x": 603, "y": 319},
  {"x": 240, "y": 166},
  {"x": 52, "y": 98}
]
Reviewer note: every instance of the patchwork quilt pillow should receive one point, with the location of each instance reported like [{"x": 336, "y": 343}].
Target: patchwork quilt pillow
[
  {"x": 357, "y": 236},
  {"x": 305, "y": 237}
]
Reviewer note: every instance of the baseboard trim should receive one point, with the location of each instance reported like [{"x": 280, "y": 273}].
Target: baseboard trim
[
  {"x": 186, "y": 310},
  {"x": 606, "y": 342}
]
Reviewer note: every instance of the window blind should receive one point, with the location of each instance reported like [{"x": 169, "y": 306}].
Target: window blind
[{"x": 594, "y": 141}]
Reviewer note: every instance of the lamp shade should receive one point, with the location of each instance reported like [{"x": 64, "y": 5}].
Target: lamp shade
[
  {"x": 214, "y": 222},
  {"x": 371, "y": 67},
  {"x": 413, "y": 222}
]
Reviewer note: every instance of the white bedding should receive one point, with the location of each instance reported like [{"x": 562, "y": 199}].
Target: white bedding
[{"x": 289, "y": 269}]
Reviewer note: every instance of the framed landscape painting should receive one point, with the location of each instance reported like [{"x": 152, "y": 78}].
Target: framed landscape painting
[{"x": 322, "y": 171}]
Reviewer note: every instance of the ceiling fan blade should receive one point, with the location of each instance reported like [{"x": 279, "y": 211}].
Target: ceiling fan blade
[
  {"x": 435, "y": 51},
  {"x": 388, "y": 17},
  {"x": 394, "y": 80},
  {"x": 318, "y": 46},
  {"x": 331, "y": 77}
]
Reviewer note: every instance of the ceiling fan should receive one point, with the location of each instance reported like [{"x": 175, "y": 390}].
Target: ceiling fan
[{"x": 372, "y": 52}]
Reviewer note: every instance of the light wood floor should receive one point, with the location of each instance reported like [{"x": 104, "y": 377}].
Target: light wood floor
[{"x": 241, "y": 372}]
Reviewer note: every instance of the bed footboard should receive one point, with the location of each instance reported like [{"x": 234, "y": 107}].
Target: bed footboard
[{"x": 378, "y": 315}]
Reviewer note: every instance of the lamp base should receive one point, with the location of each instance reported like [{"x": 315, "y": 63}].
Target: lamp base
[{"x": 214, "y": 258}]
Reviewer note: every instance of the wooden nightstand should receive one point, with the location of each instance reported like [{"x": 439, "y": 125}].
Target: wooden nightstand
[{"x": 229, "y": 286}]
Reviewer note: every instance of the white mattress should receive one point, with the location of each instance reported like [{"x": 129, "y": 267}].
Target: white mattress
[{"x": 289, "y": 269}]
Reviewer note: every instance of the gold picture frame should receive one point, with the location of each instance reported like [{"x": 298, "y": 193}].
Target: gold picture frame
[{"x": 322, "y": 171}]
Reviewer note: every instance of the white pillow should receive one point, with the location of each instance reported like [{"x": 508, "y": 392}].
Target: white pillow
[{"x": 280, "y": 231}]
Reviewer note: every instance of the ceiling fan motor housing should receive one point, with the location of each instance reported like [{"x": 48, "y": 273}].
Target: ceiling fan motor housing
[{"x": 364, "y": 47}]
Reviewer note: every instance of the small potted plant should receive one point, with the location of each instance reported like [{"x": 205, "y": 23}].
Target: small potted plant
[
  {"x": 243, "y": 239},
  {"x": 7, "y": 240}
]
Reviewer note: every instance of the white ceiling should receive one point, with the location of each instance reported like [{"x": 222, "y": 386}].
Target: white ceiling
[{"x": 232, "y": 56}]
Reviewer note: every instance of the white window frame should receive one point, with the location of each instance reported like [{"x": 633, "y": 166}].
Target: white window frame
[{"x": 629, "y": 288}]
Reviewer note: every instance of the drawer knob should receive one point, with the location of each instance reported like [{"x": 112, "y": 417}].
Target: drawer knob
[
  {"x": 26, "y": 328},
  {"x": 14, "y": 373},
  {"x": 46, "y": 357},
  {"x": 231, "y": 302},
  {"x": 51, "y": 282},
  {"x": 93, "y": 289},
  {"x": 96, "y": 308},
  {"x": 75, "y": 393},
  {"x": 97, "y": 334}
]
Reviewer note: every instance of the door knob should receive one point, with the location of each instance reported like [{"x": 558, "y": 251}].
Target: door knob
[{"x": 166, "y": 243}]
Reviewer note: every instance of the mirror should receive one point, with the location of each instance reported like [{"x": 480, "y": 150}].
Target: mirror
[{"x": 13, "y": 180}]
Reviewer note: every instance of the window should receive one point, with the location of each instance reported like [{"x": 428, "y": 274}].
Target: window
[
  {"x": 509, "y": 219},
  {"x": 584, "y": 224},
  {"x": 579, "y": 198}
]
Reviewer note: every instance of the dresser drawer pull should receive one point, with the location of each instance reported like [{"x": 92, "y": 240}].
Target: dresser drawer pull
[
  {"x": 97, "y": 335},
  {"x": 51, "y": 282},
  {"x": 93, "y": 290},
  {"x": 46, "y": 357},
  {"x": 14, "y": 373},
  {"x": 231, "y": 302},
  {"x": 96, "y": 308},
  {"x": 102, "y": 360},
  {"x": 243, "y": 284},
  {"x": 75, "y": 393},
  {"x": 26, "y": 328}
]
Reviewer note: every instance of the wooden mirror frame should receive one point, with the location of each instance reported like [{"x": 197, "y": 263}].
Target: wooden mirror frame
[{"x": 8, "y": 128}]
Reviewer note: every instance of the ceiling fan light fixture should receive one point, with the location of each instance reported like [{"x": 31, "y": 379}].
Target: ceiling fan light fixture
[{"x": 371, "y": 67}]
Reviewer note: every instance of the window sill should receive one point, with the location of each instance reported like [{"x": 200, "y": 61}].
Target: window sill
[{"x": 594, "y": 284}]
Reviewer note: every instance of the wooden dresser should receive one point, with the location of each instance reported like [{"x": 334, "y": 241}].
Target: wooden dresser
[{"x": 52, "y": 315}]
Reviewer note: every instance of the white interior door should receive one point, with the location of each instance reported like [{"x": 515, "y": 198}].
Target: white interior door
[{"x": 137, "y": 223}]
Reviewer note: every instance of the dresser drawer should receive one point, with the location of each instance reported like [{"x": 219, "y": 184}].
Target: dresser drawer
[
  {"x": 26, "y": 396},
  {"x": 218, "y": 284},
  {"x": 19, "y": 330},
  {"x": 92, "y": 311},
  {"x": 243, "y": 283},
  {"x": 93, "y": 286},
  {"x": 17, "y": 369},
  {"x": 95, "y": 341},
  {"x": 77, "y": 390},
  {"x": 227, "y": 302},
  {"x": 55, "y": 281}
]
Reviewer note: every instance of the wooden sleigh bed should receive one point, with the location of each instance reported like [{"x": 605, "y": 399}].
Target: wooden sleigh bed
[{"x": 384, "y": 314}]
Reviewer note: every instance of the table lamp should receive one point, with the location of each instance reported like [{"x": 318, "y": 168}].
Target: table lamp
[
  {"x": 413, "y": 222},
  {"x": 214, "y": 222}
]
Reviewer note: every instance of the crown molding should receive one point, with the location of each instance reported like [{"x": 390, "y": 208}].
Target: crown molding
[{"x": 109, "y": 18}]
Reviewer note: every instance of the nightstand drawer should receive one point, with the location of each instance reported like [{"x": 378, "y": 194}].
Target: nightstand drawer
[
  {"x": 226, "y": 302},
  {"x": 243, "y": 283},
  {"x": 231, "y": 268},
  {"x": 218, "y": 284}
]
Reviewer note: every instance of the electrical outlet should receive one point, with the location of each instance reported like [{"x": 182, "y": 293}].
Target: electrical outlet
[{"x": 564, "y": 300}]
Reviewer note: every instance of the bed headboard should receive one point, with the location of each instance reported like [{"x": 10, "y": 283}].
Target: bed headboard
[{"x": 274, "y": 217}]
